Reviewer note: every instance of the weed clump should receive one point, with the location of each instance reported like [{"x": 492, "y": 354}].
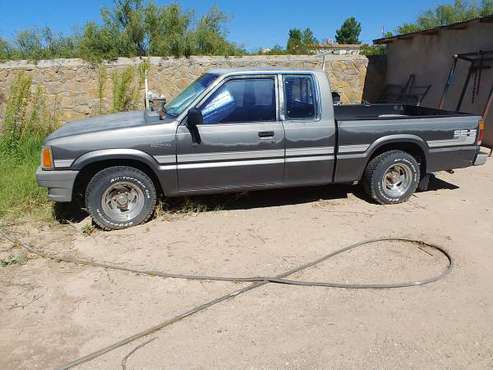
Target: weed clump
[{"x": 27, "y": 120}]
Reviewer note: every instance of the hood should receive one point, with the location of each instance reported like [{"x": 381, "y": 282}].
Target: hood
[{"x": 100, "y": 123}]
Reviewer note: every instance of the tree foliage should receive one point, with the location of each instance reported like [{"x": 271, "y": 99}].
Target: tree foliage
[
  {"x": 300, "y": 42},
  {"x": 129, "y": 28},
  {"x": 38, "y": 44},
  {"x": 442, "y": 15},
  {"x": 349, "y": 32},
  {"x": 4, "y": 50}
]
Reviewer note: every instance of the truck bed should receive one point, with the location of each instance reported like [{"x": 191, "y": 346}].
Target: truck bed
[
  {"x": 445, "y": 138},
  {"x": 388, "y": 111}
]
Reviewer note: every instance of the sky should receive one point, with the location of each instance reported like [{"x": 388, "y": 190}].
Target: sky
[{"x": 253, "y": 24}]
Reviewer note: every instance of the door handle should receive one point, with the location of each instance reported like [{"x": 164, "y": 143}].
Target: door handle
[{"x": 266, "y": 134}]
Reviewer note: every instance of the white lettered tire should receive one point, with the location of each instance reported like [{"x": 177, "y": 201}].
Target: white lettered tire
[
  {"x": 120, "y": 197},
  {"x": 392, "y": 177}
]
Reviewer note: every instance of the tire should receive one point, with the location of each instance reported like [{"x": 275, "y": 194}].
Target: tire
[
  {"x": 392, "y": 177},
  {"x": 424, "y": 183},
  {"x": 120, "y": 197}
]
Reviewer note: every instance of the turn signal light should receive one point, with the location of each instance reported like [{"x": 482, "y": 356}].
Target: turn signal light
[
  {"x": 481, "y": 132},
  {"x": 46, "y": 158}
]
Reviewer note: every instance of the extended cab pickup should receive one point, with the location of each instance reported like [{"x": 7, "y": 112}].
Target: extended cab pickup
[{"x": 237, "y": 130}]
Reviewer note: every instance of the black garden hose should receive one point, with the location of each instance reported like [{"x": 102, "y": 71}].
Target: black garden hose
[{"x": 256, "y": 283}]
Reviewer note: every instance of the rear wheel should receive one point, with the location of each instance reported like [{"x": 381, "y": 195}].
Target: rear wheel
[
  {"x": 392, "y": 177},
  {"x": 120, "y": 197}
]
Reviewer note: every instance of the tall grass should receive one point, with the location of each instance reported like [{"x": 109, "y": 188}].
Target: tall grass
[
  {"x": 101, "y": 75},
  {"x": 125, "y": 90},
  {"x": 27, "y": 121},
  {"x": 19, "y": 194},
  {"x": 127, "y": 86}
]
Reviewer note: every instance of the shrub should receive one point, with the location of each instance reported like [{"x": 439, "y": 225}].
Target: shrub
[
  {"x": 129, "y": 28},
  {"x": 125, "y": 90},
  {"x": 101, "y": 85},
  {"x": 26, "y": 114},
  {"x": 27, "y": 121},
  {"x": 16, "y": 111}
]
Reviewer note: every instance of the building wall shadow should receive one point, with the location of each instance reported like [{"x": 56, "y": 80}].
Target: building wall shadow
[{"x": 376, "y": 76}]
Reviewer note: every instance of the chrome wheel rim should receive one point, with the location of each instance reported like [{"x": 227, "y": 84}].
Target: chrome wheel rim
[
  {"x": 397, "y": 180},
  {"x": 123, "y": 201}
]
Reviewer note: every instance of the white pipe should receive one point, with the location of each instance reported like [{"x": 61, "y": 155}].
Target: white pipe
[{"x": 146, "y": 104}]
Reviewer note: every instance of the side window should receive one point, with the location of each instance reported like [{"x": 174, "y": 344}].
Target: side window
[
  {"x": 242, "y": 100},
  {"x": 299, "y": 94}
]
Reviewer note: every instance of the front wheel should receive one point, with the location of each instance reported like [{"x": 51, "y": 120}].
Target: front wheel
[
  {"x": 392, "y": 177},
  {"x": 120, "y": 197}
]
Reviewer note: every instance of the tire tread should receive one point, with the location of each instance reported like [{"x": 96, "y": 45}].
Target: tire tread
[
  {"x": 369, "y": 183},
  {"x": 112, "y": 171}
]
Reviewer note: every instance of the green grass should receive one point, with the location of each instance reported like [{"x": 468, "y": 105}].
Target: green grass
[
  {"x": 20, "y": 196},
  {"x": 27, "y": 120}
]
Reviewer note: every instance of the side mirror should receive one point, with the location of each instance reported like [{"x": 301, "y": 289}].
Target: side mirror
[
  {"x": 336, "y": 98},
  {"x": 194, "y": 117}
]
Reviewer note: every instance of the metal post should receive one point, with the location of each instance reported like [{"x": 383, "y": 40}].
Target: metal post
[
  {"x": 450, "y": 79},
  {"x": 487, "y": 108},
  {"x": 466, "y": 84}
]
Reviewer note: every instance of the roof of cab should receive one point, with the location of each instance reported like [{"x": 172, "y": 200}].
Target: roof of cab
[{"x": 260, "y": 70}]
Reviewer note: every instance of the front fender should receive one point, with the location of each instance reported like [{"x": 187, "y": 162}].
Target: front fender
[
  {"x": 167, "y": 178},
  {"x": 114, "y": 154}
]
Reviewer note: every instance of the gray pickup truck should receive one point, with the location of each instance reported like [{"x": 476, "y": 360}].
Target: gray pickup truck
[{"x": 239, "y": 130}]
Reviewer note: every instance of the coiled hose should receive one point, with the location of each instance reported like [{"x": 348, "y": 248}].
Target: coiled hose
[{"x": 256, "y": 283}]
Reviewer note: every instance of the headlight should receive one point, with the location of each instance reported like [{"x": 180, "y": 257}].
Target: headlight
[{"x": 46, "y": 158}]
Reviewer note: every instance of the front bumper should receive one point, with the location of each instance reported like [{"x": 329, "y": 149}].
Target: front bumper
[
  {"x": 481, "y": 159},
  {"x": 60, "y": 184}
]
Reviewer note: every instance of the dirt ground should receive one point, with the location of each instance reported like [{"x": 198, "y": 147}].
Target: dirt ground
[{"x": 52, "y": 313}]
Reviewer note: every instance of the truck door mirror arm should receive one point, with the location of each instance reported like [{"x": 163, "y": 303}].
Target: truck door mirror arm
[{"x": 194, "y": 118}]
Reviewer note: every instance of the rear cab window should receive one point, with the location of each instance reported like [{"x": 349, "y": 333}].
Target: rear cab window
[{"x": 300, "y": 101}]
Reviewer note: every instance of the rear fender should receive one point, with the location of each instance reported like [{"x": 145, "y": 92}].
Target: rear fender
[
  {"x": 350, "y": 167},
  {"x": 396, "y": 139}
]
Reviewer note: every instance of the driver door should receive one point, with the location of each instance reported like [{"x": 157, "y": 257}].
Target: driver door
[{"x": 242, "y": 139}]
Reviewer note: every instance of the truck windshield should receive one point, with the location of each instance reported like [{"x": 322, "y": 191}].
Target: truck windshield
[{"x": 176, "y": 106}]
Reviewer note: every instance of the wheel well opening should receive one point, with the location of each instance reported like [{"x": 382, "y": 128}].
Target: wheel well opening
[
  {"x": 413, "y": 149},
  {"x": 88, "y": 172}
]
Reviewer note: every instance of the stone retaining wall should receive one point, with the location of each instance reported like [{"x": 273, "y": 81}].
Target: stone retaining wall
[{"x": 73, "y": 90}]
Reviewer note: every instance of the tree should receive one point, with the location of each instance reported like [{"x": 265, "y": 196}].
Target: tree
[
  {"x": 442, "y": 15},
  {"x": 4, "y": 49},
  {"x": 130, "y": 28},
  {"x": 300, "y": 42},
  {"x": 209, "y": 38},
  {"x": 408, "y": 28},
  {"x": 125, "y": 22},
  {"x": 28, "y": 44},
  {"x": 98, "y": 43},
  {"x": 349, "y": 32},
  {"x": 168, "y": 29},
  {"x": 308, "y": 39},
  {"x": 486, "y": 8},
  {"x": 295, "y": 41}
]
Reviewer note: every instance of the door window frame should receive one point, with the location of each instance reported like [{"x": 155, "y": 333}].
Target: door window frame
[
  {"x": 275, "y": 77},
  {"x": 316, "y": 97}
]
